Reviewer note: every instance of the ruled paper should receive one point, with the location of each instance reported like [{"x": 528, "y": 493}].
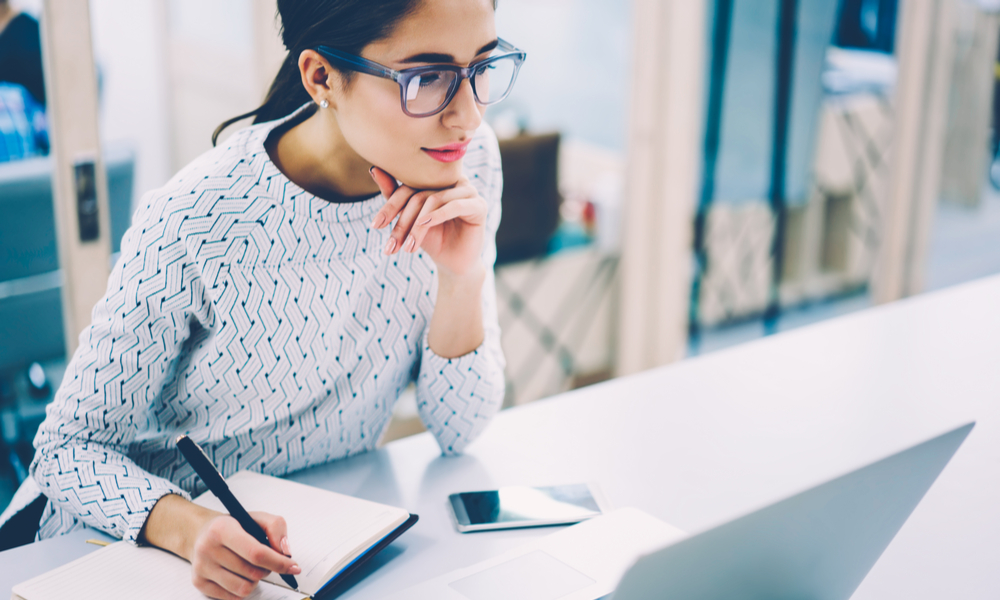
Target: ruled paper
[{"x": 125, "y": 571}]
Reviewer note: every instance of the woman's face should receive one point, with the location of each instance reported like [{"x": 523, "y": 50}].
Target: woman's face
[{"x": 368, "y": 112}]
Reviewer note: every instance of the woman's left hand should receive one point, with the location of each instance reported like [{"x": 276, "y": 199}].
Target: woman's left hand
[{"x": 448, "y": 224}]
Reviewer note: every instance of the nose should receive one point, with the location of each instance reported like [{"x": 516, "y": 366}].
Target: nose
[{"x": 463, "y": 111}]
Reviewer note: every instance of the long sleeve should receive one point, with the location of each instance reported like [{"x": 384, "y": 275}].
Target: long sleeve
[
  {"x": 457, "y": 397},
  {"x": 112, "y": 384},
  {"x": 264, "y": 322}
]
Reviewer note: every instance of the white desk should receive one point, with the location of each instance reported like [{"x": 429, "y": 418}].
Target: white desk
[{"x": 707, "y": 439}]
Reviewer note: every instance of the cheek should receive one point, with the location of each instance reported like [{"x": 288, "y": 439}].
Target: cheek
[
  {"x": 376, "y": 128},
  {"x": 374, "y": 125}
]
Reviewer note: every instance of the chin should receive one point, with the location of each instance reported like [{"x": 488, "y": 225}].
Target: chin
[{"x": 444, "y": 176}]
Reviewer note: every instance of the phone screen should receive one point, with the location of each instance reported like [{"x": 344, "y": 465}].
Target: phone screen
[{"x": 526, "y": 504}]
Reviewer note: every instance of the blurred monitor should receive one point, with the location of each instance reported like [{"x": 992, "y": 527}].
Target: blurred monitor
[{"x": 31, "y": 321}]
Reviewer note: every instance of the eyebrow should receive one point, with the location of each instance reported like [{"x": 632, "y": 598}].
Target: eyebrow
[{"x": 435, "y": 57}]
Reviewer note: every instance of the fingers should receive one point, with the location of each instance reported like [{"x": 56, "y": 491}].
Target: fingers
[
  {"x": 227, "y": 562},
  {"x": 225, "y": 584},
  {"x": 257, "y": 554},
  {"x": 276, "y": 530},
  {"x": 237, "y": 565},
  {"x": 386, "y": 183},
  {"x": 393, "y": 206},
  {"x": 214, "y": 590},
  {"x": 218, "y": 572},
  {"x": 400, "y": 238},
  {"x": 441, "y": 208},
  {"x": 396, "y": 197},
  {"x": 414, "y": 208}
]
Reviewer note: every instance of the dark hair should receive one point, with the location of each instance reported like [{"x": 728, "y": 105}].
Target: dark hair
[{"x": 347, "y": 25}]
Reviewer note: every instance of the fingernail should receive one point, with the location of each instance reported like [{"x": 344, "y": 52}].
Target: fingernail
[
  {"x": 295, "y": 570},
  {"x": 425, "y": 221},
  {"x": 410, "y": 242},
  {"x": 379, "y": 221},
  {"x": 284, "y": 546},
  {"x": 371, "y": 171},
  {"x": 390, "y": 245}
]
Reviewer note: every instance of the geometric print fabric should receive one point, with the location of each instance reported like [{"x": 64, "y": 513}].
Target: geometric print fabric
[{"x": 265, "y": 323}]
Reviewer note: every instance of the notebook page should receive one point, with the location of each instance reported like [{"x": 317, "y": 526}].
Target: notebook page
[
  {"x": 355, "y": 545},
  {"x": 324, "y": 528},
  {"x": 125, "y": 571}
]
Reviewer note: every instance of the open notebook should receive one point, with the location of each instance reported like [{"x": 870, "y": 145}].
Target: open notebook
[{"x": 330, "y": 534}]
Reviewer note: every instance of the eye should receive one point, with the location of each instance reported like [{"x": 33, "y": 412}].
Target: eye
[{"x": 429, "y": 79}]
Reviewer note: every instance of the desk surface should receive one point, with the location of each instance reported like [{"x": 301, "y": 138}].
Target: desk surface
[{"x": 704, "y": 440}]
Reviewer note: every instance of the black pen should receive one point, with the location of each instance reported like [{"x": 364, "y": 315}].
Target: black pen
[{"x": 217, "y": 485}]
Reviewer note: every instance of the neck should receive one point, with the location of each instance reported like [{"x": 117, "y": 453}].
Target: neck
[{"x": 315, "y": 155}]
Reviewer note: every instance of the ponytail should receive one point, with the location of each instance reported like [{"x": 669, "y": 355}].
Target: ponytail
[
  {"x": 284, "y": 96},
  {"x": 347, "y": 25}
]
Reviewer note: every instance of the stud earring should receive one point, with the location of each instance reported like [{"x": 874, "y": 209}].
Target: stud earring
[{"x": 323, "y": 103}]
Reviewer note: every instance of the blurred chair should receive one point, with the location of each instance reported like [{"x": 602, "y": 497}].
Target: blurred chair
[
  {"x": 867, "y": 25},
  {"x": 530, "y": 196},
  {"x": 555, "y": 306}
]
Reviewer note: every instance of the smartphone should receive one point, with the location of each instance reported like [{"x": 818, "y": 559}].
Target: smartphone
[{"x": 518, "y": 506}]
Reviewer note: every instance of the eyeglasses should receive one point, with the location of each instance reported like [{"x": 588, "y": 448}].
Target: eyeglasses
[{"x": 426, "y": 91}]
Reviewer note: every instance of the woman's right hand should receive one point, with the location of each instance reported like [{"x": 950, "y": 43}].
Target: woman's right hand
[{"x": 227, "y": 562}]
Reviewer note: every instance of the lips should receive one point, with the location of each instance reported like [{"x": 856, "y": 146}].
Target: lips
[{"x": 449, "y": 153}]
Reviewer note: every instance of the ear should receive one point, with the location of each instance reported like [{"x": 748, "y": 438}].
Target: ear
[{"x": 321, "y": 81}]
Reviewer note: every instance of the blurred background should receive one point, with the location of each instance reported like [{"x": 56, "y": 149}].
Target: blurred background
[{"x": 680, "y": 175}]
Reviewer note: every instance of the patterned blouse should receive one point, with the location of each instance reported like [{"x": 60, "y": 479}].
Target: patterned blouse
[{"x": 265, "y": 323}]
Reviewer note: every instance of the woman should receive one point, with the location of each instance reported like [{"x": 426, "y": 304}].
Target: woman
[
  {"x": 271, "y": 305},
  {"x": 21, "y": 52},
  {"x": 23, "y": 129}
]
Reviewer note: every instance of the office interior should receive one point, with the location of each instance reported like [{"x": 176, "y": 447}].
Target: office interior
[{"x": 670, "y": 192}]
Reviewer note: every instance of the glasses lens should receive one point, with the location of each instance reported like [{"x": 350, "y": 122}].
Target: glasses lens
[
  {"x": 494, "y": 80},
  {"x": 427, "y": 92}
]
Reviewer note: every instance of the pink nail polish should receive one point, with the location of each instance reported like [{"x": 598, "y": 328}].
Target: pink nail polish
[
  {"x": 379, "y": 221},
  {"x": 425, "y": 221},
  {"x": 284, "y": 546},
  {"x": 390, "y": 245},
  {"x": 410, "y": 242},
  {"x": 295, "y": 570}
]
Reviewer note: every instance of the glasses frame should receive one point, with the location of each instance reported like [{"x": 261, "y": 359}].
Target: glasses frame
[{"x": 361, "y": 64}]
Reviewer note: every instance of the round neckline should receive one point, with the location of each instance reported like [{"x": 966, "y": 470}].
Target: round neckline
[{"x": 293, "y": 196}]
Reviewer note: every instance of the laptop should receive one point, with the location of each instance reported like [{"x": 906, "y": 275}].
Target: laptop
[{"x": 819, "y": 543}]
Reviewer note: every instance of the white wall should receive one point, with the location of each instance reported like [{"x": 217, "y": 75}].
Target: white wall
[
  {"x": 577, "y": 76},
  {"x": 130, "y": 51},
  {"x": 32, "y": 7},
  {"x": 172, "y": 70}
]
